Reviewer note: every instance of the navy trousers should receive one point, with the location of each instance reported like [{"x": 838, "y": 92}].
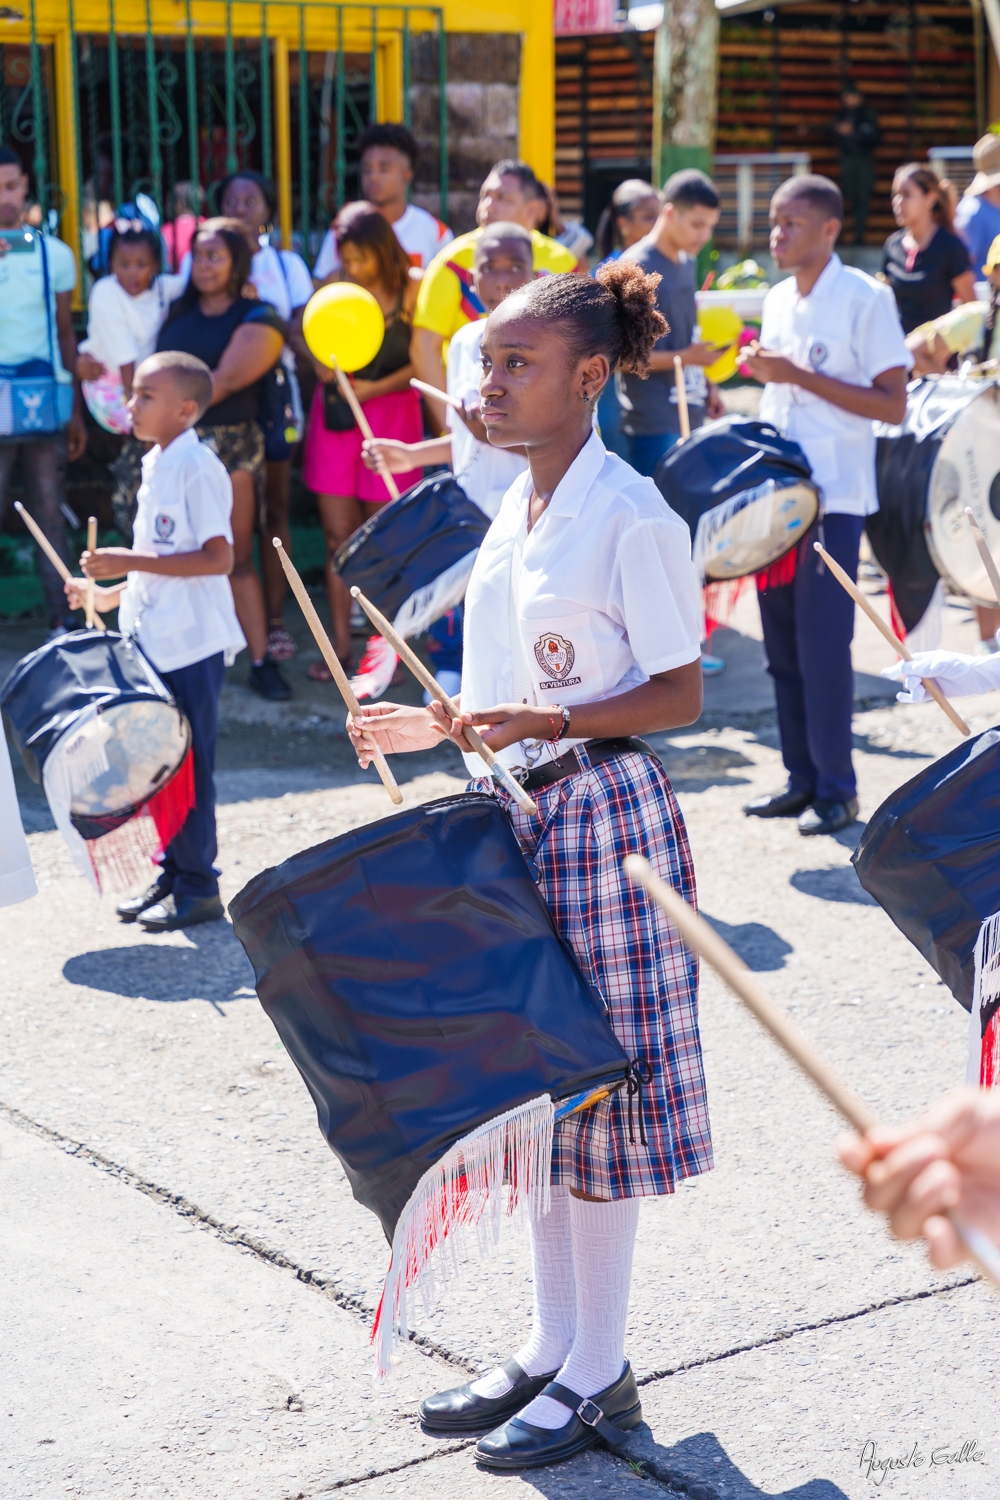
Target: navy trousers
[
  {"x": 808, "y": 626},
  {"x": 188, "y": 862}
]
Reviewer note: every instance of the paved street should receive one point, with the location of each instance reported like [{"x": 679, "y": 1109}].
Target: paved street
[{"x": 188, "y": 1284}]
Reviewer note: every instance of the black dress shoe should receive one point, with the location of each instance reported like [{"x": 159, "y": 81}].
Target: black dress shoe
[
  {"x": 603, "y": 1418},
  {"x": 266, "y": 679},
  {"x": 133, "y": 906},
  {"x": 828, "y": 817},
  {"x": 180, "y": 911},
  {"x": 461, "y": 1410},
  {"x": 786, "y": 804}
]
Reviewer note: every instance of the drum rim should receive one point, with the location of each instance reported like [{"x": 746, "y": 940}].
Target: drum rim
[
  {"x": 807, "y": 484},
  {"x": 119, "y": 701},
  {"x": 986, "y": 602}
]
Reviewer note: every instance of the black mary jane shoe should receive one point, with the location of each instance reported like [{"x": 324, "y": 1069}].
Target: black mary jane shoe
[
  {"x": 461, "y": 1410},
  {"x": 604, "y": 1418}
]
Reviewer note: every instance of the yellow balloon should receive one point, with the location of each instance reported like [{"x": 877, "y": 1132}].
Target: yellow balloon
[
  {"x": 720, "y": 325},
  {"x": 343, "y": 325}
]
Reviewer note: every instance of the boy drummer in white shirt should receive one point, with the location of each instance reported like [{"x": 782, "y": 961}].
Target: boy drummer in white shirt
[
  {"x": 833, "y": 360},
  {"x": 178, "y": 604}
]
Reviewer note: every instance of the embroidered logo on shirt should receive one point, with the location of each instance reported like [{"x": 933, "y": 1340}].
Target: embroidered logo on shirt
[
  {"x": 555, "y": 655},
  {"x": 817, "y": 354},
  {"x": 164, "y": 526}
]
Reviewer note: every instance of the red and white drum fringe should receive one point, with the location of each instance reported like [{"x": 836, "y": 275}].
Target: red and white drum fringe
[
  {"x": 502, "y": 1169},
  {"x": 984, "y": 1045},
  {"x": 123, "y": 856}
]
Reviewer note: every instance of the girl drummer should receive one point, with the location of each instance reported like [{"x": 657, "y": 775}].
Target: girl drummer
[{"x": 582, "y": 630}]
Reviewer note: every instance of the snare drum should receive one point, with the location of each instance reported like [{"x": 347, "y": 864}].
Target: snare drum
[
  {"x": 944, "y": 457},
  {"x": 745, "y": 492},
  {"x": 417, "y": 980},
  {"x": 101, "y": 732},
  {"x": 413, "y": 559}
]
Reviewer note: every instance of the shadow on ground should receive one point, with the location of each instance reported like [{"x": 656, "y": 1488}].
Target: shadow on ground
[
  {"x": 838, "y": 883},
  {"x": 214, "y": 970},
  {"x": 699, "y": 767},
  {"x": 701, "y": 1469},
  {"x": 759, "y": 947}
]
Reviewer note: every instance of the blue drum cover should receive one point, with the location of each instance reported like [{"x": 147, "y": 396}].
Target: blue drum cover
[
  {"x": 930, "y": 856},
  {"x": 47, "y": 690},
  {"x": 416, "y": 979},
  {"x": 723, "y": 459},
  {"x": 408, "y": 544}
]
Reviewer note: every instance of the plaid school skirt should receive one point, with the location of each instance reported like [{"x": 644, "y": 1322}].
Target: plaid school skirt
[{"x": 585, "y": 827}]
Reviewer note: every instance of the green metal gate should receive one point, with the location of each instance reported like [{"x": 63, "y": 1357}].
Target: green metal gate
[{"x": 284, "y": 87}]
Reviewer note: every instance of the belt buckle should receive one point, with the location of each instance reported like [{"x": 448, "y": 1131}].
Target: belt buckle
[{"x": 584, "y": 1411}]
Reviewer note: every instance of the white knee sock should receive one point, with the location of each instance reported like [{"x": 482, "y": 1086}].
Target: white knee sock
[
  {"x": 603, "y": 1240},
  {"x": 554, "y": 1319}
]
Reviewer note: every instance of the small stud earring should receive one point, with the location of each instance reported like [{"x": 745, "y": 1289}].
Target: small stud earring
[{"x": 585, "y": 396}]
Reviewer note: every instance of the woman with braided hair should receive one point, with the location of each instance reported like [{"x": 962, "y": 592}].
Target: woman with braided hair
[{"x": 582, "y": 632}]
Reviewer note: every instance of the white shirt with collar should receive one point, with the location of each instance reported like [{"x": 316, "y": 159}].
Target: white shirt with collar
[
  {"x": 186, "y": 497},
  {"x": 607, "y": 594},
  {"x": 847, "y": 327}
]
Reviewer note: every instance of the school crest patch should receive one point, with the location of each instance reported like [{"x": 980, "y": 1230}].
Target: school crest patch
[
  {"x": 817, "y": 354},
  {"x": 164, "y": 527},
  {"x": 555, "y": 655}
]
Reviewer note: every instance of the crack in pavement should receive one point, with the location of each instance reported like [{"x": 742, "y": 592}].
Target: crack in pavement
[
  {"x": 782, "y": 1334},
  {"x": 230, "y": 1234}
]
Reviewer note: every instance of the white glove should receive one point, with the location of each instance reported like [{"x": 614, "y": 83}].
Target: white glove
[{"x": 957, "y": 676}]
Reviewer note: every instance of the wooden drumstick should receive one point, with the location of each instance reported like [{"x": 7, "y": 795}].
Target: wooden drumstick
[
  {"x": 349, "y": 395},
  {"x": 706, "y": 943},
  {"x": 682, "y": 398},
  {"x": 432, "y": 390},
  {"x": 985, "y": 554},
  {"x": 428, "y": 681},
  {"x": 897, "y": 645},
  {"x": 51, "y": 553},
  {"x": 333, "y": 662},
  {"x": 91, "y": 585}
]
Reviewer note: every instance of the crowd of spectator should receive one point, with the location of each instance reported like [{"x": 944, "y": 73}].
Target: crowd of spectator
[{"x": 236, "y": 300}]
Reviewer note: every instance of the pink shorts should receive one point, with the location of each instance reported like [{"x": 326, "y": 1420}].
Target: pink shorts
[{"x": 332, "y": 463}]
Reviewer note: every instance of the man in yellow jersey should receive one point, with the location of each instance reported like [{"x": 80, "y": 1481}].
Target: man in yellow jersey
[{"x": 447, "y": 300}]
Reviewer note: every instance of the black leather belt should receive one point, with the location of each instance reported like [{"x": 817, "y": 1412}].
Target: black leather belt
[{"x": 571, "y": 764}]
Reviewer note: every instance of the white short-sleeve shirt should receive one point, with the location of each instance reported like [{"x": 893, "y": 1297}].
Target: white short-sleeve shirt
[
  {"x": 847, "y": 327},
  {"x": 186, "y": 497},
  {"x": 419, "y": 233},
  {"x": 607, "y": 594},
  {"x": 121, "y": 330},
  {"x": 484, "y": 472}
]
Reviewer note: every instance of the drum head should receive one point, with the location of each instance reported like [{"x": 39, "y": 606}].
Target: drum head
[
  {"x": 967, "y": 473},
  {"x": 732, "y": 543},
  {"x": 115, "y": 758}
]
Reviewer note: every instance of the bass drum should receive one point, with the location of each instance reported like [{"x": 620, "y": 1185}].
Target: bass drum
[
  {"x": 745, "y": 492},
  {"x": 944, "y": 457}
]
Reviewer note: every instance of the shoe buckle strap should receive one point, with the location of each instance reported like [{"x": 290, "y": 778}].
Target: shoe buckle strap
[{"x": 588, "y": 1411}]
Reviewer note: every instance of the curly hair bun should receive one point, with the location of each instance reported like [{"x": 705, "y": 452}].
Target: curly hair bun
[{"x": 639, "y": 319}]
